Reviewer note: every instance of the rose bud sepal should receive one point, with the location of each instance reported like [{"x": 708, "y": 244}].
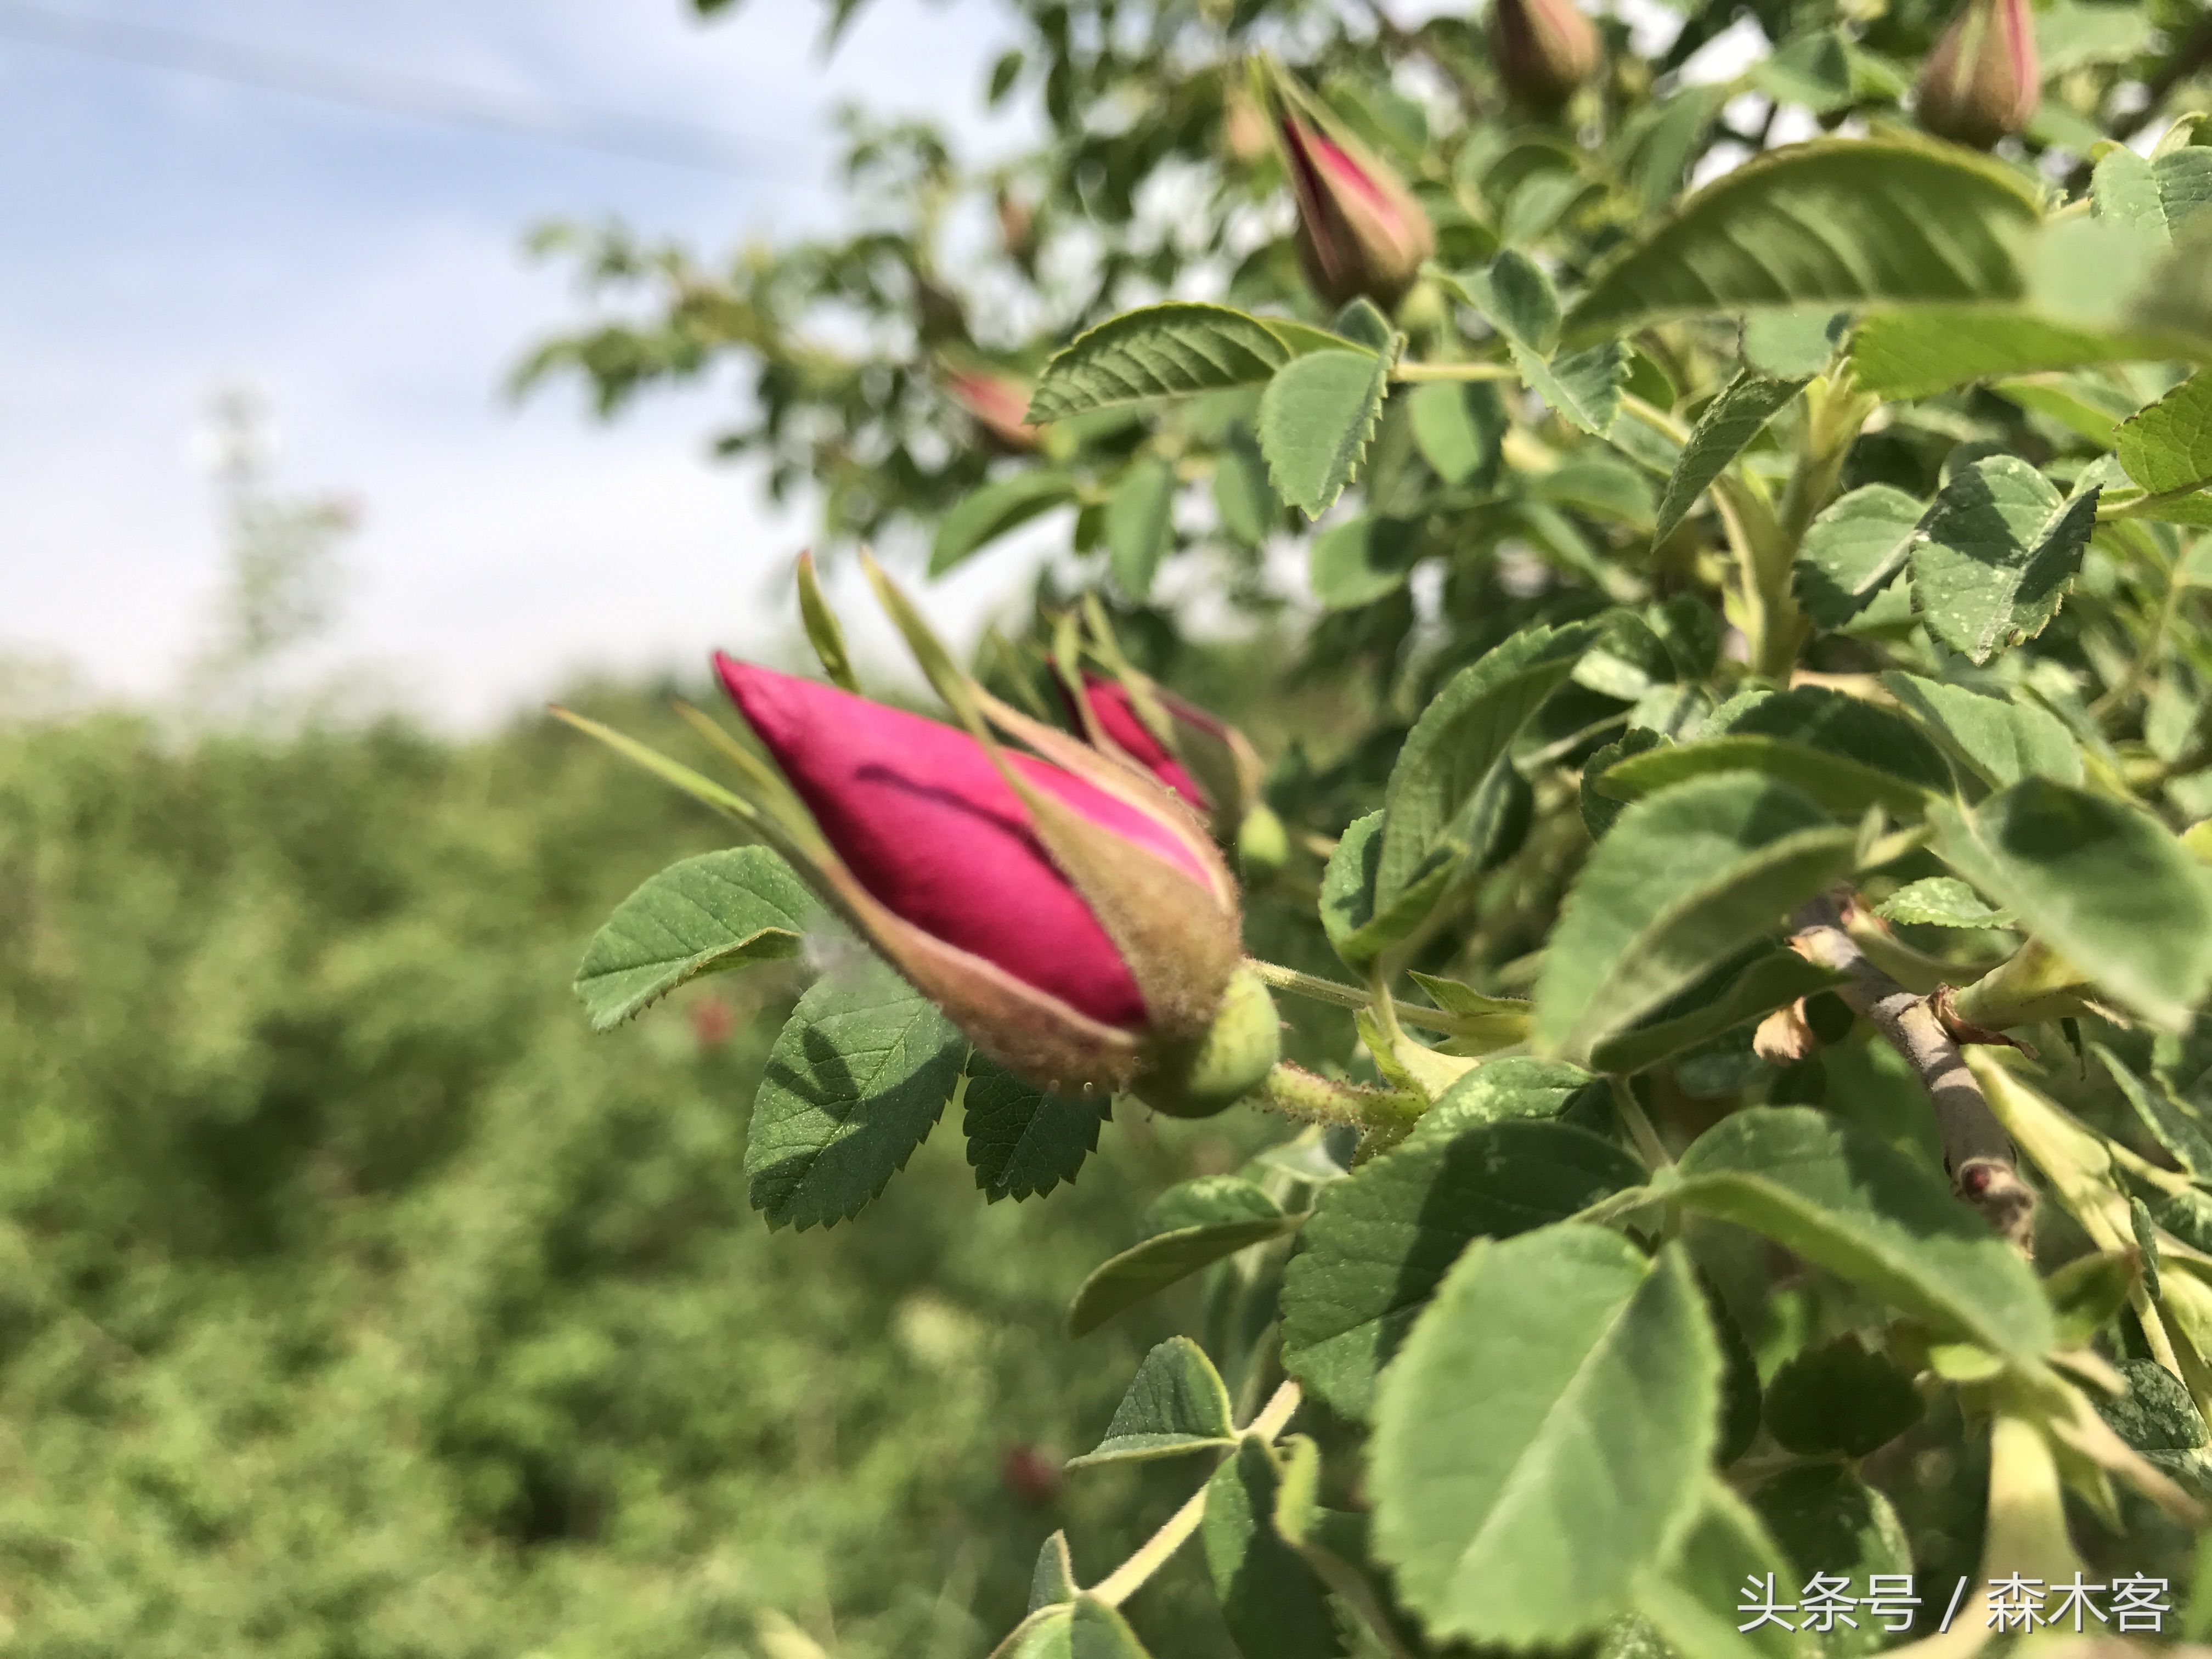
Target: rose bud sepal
[
  {"x": 1216, "y": 1070},
  {"x": 823, "y": 631}
]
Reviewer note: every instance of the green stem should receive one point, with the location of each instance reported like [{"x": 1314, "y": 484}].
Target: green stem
[
  {"x": 1415, "y": 372},
  {"x": 2034, "y": 983},
  {"x": 1153, "y": 1554},
  {"x": 1773, "y": 624},
  {"x": 1638, "y": 1124},
  {"x": 1341, "y": 995},
  {"x": 2118, "y": 506},
  {"x": 1296, "y": 1092},
  {"x": 1654, "y": 418}
]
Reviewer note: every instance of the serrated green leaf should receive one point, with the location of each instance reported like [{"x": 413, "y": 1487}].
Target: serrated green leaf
[
  {"x": 699, "y": 915},
  {"x": 1542, "y": 1438},
  {"x": 2158, "y": 195},
  {"x": 1582, "y": 388},
  {"x": 1516, "y": 299},
  {"x": 1148, "y": 1268},
  {"x": 1835, "y": 1398},
  {"x": 1362, "y": 560},
  {"x": 2168, "y": 446},
  {"x": 1996, "y": 554},
  {"x": 1172, "y": 350},
  {"x": 1917, "y": 353},
  {"x": 1825, "y": 1519},
  {"x": 1941, "y": 902},
  {"x": 2105, "y": 885},
  {"x": 1682, "y": 882},
  {"x": 1316, "y": 418},
  {"x": 1852, "y": 551},
  {"x": 1382, "y": 1239},
  {"x": 1052, "y": 1580},
  {"x": 1514, "y": 1087},
  {"x": 1176, "y": 1404},
  {"x": 1139, "y": 518},
  {"x": 1736, "y": 415},
  {"x": 2088, "y": 405},
  {"x": 1794, "y": 345},
  {"x": 856, "y": 1079},
  {"x": 1348, "y": 914},
  {"x": 2157, "y": 1413},
  {"x": 1458, "y": 426},
  {"x": 1999, "y": 740},
  {"x": 2170, "y": 1123},
  {"x": 1462, "y": 738},
  {"x": 1839, "y": 222},
  {"x": 1840, "y": 784},
  {"x": 1274, "y": 1606},
  {"x": 1772, "y": 981},
  {"x": 1599, "y": 810},
  {"x": 1837, "y": 724},
  {"x": 1847, "y": 1201},
  {"x": 991, "y": 510},
  {"x": 1021, "y": 1140},
  {"x": 1692, "y": 1599}
]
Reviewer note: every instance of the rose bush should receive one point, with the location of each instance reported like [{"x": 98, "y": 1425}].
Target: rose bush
[{"x": 1740, "y": 913}]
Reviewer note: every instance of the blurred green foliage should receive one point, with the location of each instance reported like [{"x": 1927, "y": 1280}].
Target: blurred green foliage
[{"x": 358, "y": 1301}]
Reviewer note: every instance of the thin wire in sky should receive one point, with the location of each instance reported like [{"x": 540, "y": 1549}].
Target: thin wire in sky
[{"x": 652, "y": 139}]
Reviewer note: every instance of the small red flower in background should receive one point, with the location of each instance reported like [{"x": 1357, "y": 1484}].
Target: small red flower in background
[
  {"x": 1030, "y": 1476},
  {"x": 713, "y": 1022}
]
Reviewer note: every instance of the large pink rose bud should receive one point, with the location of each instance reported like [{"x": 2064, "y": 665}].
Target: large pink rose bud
[
  {"x": 1201, "y": 757},
  {"x": 1360, "y": 231},
  {"x": 1544, "y": 49},
  {"x": 1078, "y": 929},
  {"x": 997, "y": 404},
  {"x": 1982, "y": 82}
]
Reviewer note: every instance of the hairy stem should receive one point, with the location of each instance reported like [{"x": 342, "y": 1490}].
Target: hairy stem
[
  {"x": 1984, "y": 1167},
  {"x": 1296, "y": 1093},
  {"x": 1125, "y": 1580}
]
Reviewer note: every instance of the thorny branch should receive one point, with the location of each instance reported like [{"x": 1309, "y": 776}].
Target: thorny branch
[{"x": 1984, "y": 1168}]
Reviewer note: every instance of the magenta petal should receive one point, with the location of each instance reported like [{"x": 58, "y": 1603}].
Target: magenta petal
[
  {"x": 928, "y": 826},
  {"x": 1117, "y": 717}
]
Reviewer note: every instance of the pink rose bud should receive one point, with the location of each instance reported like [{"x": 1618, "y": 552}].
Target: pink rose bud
[
  {"x": 997, "y": 404},
  {"x": 1116, "y": 711},
  {"x": 1544, "y": 49},
  {"x": 1982, "y": 82},
  {"x": 1360, "y": 231},
  {"x": 1206, "y": 761},
  {"x": 1079, "y": 931}
]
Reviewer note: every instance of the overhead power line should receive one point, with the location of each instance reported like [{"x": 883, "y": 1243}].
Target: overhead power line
[{"x": 643, "y": 137}]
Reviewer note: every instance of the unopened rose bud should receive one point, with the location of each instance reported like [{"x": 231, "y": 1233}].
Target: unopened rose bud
[
  {"x": 1360, "y": 231},
  {"x": 1206, "y": 762},
  {"x": 997, "y": 404},
  {"x": 1078, "y": 929},
  {"x": 1544, "y": 49},
  {"x": 1244, "y": 128},
  {"x": 1982, "y": 82}
]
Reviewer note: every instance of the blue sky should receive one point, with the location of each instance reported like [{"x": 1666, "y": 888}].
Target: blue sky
[{"x": 165, "y": 234}]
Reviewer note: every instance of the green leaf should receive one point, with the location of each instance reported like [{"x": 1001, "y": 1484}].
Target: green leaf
[
  {"x": 1170, "y": 350},
  {"x": 1919, "y": 352},
  {"x": 1458, "y": 426},
  {"x": 1316, "y": 418},
  {"x": 1692, "y": 1600},
  {"x": 1996, "y": 554},
  {"x": 2068, "y": 35},
  {"x": 1941, "y": 902},
  {"x": 1348, "y": 914},
  {"x": 1836, "y": 723},
  {"x": 1852, "y": 551},
  {"x": 1849, "y": 1202},
  {"x": 1771, "y": 981},
  {"x": 1837, "y": 222},
  {"x": 699, "y": 915},
  {"x": 2168, "y": 446},
  {"x": 985, "y": 513},
  {"x": 1736, "y": 415},
  {"x": 1381, "y": 1239},
  {"x": 1812, "y": 70},
  {"x": 1516, "y": 1086},
  {"x": 1837, "y": 782},
  {"x": 1206, "y": 1201},
  {"x": 1274, "y": 1606},
  {"x": 1462, "y": 738},
  {"x": 1086, "y": 1628},
  {"x": 1828, "y": 1520},
  {"x": 1163, "y": 1259},
  {"x": 2170, "y": 1123},
  {"x": 1178, "y": 1403},
  {"x": 1682, "y": 882},
  {"x": 1021, "y": 1140},
  {"x": 856, "y": 1079},
  {"x": 2088, "y": 404},
  {"x": 1835, "y": 1398},
  {"x": 2153, "y": 196},
  {"x": 2105, "y": 885},
  {"x": 1139, "y": 518},
  {"x": 1543, "y": 1437},
  {"x": 1245, "y": 502},
  {"x": 1362, "y": 560},
  {"x": 2157, "y": 1413},
  {"x": 1599, "y": 810},
  {"x": 1584, "y": 388},
  {"x": 2000, "y": 741},
  {"x": 1792, "y": 345},
  {"x": 1052, "y": 1580},
  {"x": 1517, "y": 299}
]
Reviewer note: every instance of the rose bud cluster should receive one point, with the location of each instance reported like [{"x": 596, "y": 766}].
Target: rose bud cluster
[
  {"x": 1982, "y": 82},
  {"x": 1543, "y": 49},
  {"x": 1070, "y": 916},
  {"x": 1360, "y": 232}
]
